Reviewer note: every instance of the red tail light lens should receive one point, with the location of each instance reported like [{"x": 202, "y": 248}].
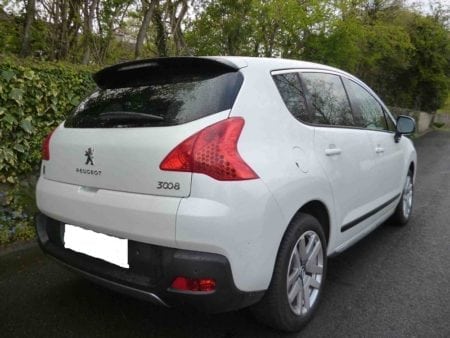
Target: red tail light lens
[
  {"x": 194, "y": 284},
  {"x": 213, "y": 152},
  {"x": 46, "y": 147}
]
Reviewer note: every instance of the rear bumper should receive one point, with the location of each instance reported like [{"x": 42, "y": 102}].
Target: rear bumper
[
  {"x": 152, "y": 270},
  {"x": 107, "y": 211},
  {"x": 240, "y": 221}
]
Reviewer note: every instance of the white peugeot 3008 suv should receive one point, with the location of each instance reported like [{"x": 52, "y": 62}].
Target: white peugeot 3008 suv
[{"x": 222, "y": 182}]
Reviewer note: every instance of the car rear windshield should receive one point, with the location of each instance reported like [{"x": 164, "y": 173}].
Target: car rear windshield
[{"x": 146, "y": 104}]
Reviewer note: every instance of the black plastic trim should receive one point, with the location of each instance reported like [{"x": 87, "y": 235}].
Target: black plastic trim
[
  {"x": 152, "y": 271},
  {"x": 370, "y": 213},
  {"x": 128, "y": 290}
]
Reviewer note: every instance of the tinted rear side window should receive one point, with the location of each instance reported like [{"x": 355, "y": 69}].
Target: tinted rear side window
[
  {"x": 327, "y": 99},
  {"x": 291, "y": 91},
  {"x": 157, "y": 104}
]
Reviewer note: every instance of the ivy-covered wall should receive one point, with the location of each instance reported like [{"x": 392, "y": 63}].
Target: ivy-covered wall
[{"x": 34, "y": 99}]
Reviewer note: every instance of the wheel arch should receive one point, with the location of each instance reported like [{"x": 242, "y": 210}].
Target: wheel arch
[
  {"x": 319, "y": 210},
  {"x": 412, "y": 167},
  {"x": 411, "y": 162}
]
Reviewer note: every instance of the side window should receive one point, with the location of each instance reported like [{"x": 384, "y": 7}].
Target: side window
[
  {"x": 327, "y": 99},
  {"x": 366, "y": 107},
  {"x": 291, "y": 91}
]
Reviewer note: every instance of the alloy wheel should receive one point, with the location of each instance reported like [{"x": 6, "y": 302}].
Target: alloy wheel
[
  {"x": 407, "y": 197},
  {"x": 305, "y": 273}
]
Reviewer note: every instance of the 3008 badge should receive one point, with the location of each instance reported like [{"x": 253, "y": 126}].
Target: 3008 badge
[{"x": 168, "y": 185}]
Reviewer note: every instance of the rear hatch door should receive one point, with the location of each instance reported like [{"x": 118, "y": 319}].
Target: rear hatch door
[{"x": 117, "y": 137}]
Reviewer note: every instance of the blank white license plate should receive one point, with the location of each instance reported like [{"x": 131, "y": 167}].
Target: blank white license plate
[{"x": 111, "y": 249}]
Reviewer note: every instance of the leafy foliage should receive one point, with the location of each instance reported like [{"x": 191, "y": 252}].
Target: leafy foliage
[
  {"x": 17, "y": 211},
  {"x": 403, "y": 54},
  {"x": 15, "y": 226},
  {"x": 428, "y": 77},
  {"x": 34, "y": 98}
]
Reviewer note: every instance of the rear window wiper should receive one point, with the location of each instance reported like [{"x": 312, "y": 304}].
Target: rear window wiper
[{"x": 124, "y": 115}]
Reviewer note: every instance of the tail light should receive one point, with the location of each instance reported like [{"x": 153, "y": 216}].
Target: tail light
[
  {"x": 46, "y": 147},
  {"x": 194, "y": 284},
  {"x": 213, "y": 152}
]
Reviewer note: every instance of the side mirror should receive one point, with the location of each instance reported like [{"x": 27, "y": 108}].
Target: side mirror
[{"x": 405, "y": 125}]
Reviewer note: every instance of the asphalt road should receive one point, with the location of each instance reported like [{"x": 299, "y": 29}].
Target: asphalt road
[{"x": 394, "y": 283}]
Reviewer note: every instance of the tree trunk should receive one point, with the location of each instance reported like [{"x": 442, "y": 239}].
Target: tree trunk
[
  {"x": 271, "y": 40},
  {"x": 176, "y": 26},
  {"x": 161, "y": 34},
  {"x": 73, "y": 26},
  {"x": 54, "y": 31},
  {"x": 29, "y": 18},
  {"x": 62, "y": 38},
  {"x": 88, "y": 11},
  {"x": 86, "y": 33},
  {"x": 148, "y": 9}
]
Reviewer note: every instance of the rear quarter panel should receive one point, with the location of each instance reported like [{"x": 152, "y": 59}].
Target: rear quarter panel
[{"x": 280, "y": 150}]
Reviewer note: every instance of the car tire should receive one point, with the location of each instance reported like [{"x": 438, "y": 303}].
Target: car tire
[
  {"x": 403, "y": 211},
  {"x": 300, "y": 270}
]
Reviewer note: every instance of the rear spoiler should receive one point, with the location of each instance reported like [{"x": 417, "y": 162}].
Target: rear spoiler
[{"x": 161, "y": 70}]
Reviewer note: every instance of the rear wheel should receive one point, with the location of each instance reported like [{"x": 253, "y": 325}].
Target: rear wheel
[
  {"x": 298, "y": 277},
  {"x": 403, "y": 211}
]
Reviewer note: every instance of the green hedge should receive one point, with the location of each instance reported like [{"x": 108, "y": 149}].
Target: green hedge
[{"x": 34, "y": 98}]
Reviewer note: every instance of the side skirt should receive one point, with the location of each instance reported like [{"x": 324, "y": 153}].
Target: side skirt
[{"x": 367, "y": 215}]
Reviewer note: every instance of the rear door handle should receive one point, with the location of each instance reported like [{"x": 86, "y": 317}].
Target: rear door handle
[
  {"x": 333, "y": 151},
  {"x": 379, "y": 150}
]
